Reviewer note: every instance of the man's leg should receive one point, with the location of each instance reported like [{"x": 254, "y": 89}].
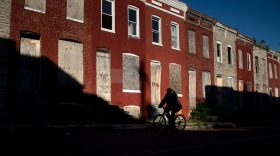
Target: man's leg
[{"x": 172, "y": 118}]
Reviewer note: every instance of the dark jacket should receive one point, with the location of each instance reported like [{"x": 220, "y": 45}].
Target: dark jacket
[{"x": 172, "y": 102}]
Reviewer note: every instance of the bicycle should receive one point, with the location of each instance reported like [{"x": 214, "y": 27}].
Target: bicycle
[{"x": 160, "y": 121}]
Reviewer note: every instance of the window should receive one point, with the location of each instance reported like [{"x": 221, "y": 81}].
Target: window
[
  {"x": 249, "y": 86},
  {"x": 270, "y": 71},
  {"x": 133, "y": 21},
  {"x": 248, "y": 62},
  {"x": 205, "y": 46},
  {"x": 219, "y": 52},
  {"x": 175, "y": 43},
  {"x": 240, "y": 59},
  {"x": 156, "y": 30},
  {"x": 192, "y": 46},
  {"x": 131, "y": 77},
  {"x": 206, "y": 84},
  {"x": 276, "y": 92},
  {"x": 240, "y": 86},
  {"x": 229, "y": 55},
  {"x": 275, "y": 71},
  {"x": 257, "y": 64},
  {"x": 75, "y": 10},
  {"x": 35, "y": 5},
  {"x": 230, "y": 82},
  {"x": 175, "y": 78},
  {"x": 108, "y": 15}
]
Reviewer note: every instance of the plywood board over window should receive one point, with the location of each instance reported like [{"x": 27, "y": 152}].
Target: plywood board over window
[
  {"x": 206, "y": 83},
  {"x": 192, "y": 88},
  {"x": 103, "y": 74},
  {"x": 75, "y": 10},
  {"x": 70, "y": 62},
  {"x": 175, "y": 78},
  {"x": 205, "y": 39},
  {"x": 192, "y": 46},
  {"x": 131, "y": 76},
  {"x": 30, "y": 67},
  {"x": 35, "y": 5}
]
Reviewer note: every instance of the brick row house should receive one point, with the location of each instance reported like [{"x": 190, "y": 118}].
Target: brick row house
[
  {"x": 127, "y": 52},
  {"x": 200, "y": 56}
]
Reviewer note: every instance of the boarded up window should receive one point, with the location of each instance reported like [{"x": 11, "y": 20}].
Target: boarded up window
[
  {"x": 192, "y": 47},
  {"x": 230, "y": 82},
  {"x": 75, "y": 10},
  {"x": 206, "y": 83},
  {"x": 103, "y": 74},
  {"x": 270, "y": 70},
  {"x": 131, "y": 77},
  {"x": 257, "y": 65},
  {"x": 36, "y": 5},
  {"x": 248, "y": 62},
  {"x": 155, "y": 82},
  {"x": 70, "y": 61},
  {"x": 240, "y": 86},
  {"x": 240, "y": 59},
  {"x": 264, "y": 88},
  {"x": 192, "y": 88},
  {"x": 275, "y": 71},
  {"x": 249, "y": 86},
  {"x": 205, "y": 46},
  {"x": 276, "y": 93},
  {"x": 175, "y": 77},
  {"x": 30, "y": 67}
]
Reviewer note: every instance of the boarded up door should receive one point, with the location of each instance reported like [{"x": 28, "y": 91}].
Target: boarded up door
[
  {"x": 103, "y": 75},
  {"x": 219, "y": 90},
  {"x": 192, "y": 88},
  {"x": 206, "y": 84},
  {"x": 30, "y": 68},
  {"x": 155, "y": 83},
  {"x": 70, "y": 62}
]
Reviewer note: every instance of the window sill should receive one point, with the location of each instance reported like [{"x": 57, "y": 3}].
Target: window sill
[
  {"x": 177, "y": 49},
  {"x": 180, "y": 95},
  {"x": 157, "y": 44},
  {"x": 76, "y": 20},
  {"x": 131, "y": 91},
  {"x": 36, "y": 10},
  {"x": 108, "y": 30},
  {"x": 134, "y": 37}
]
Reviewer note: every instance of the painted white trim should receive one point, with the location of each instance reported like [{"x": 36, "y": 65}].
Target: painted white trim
[
  {"x": 221, "y": 51},
  {"x": 137, "y": 21},
  {"x": 131, "y": 91},
  {"x": 175, "y": 10},
  {"x": 176, "y": 4},
  {"x": 169, "y": 12},
  {"x": 113, "y": 17},
  {"x": 155, "y": 62},
  {"x": 157, "y": 3},
  {"x": 159, "y": 31},
  {"x": 178, "y": 35},
  {"x": 130, "y": 54},
  {"x": 76, "y": 20},
  {"x": 36, "y": 10}
]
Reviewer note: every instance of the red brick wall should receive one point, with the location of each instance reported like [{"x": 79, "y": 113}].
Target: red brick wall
[
  {"x": 197, "y": 61},
  {"x": 244, "y": 74},
  {"x": 273, "y": 83}
]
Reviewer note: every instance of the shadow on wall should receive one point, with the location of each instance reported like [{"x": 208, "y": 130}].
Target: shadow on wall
[
  {"x": 231, "y": 105},
  {"x": 39, "y": 92}
]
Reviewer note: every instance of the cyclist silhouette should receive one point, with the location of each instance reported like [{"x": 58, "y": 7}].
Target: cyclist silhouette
[{"x": 173, "y": 105}]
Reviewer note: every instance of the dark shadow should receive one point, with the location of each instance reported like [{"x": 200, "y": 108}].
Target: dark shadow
[
  {"x": 242, "y": 107},
  {"x": 39, "y": 92}
]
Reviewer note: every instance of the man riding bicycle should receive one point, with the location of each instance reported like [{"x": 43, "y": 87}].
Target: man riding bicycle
[{"x": 173, "y": 105}]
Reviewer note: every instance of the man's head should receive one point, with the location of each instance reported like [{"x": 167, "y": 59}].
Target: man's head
[{"x": 169, "y": 90}]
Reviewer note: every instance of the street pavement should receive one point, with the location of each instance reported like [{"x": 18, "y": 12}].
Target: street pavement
[{"x": 137, "y": 139}]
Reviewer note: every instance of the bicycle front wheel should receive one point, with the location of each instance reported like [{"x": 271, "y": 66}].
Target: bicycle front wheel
[
  {"x": 159, "y": 122},
  {"x": 180, "y": 122}
]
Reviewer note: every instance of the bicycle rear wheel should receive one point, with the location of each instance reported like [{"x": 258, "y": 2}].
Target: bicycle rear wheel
[
  {"x": 159, "y": 122},
  {"x": 180, "y": 122}
]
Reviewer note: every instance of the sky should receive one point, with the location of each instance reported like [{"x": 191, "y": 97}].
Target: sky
[{"x": 259, "y": 19}]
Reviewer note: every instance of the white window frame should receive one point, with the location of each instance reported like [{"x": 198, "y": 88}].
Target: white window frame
[
  {"x": 130, "y": 90},
  {"x": 113, "y": 16},
  {"x": 230, "y": 82},
  {"x": 275, "y": 71},
  {"x": 177, "y": 37},
  {"x": 137, "y": 21},
  {"x": 231, "y": 55},
  {"x": 159, "y": 31},
  {"x": 36, "y": 10},
  {"x": 219, "y": 59},
  {"x": 249, "y": 62},
  {"x": 240, "y": 59}
]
